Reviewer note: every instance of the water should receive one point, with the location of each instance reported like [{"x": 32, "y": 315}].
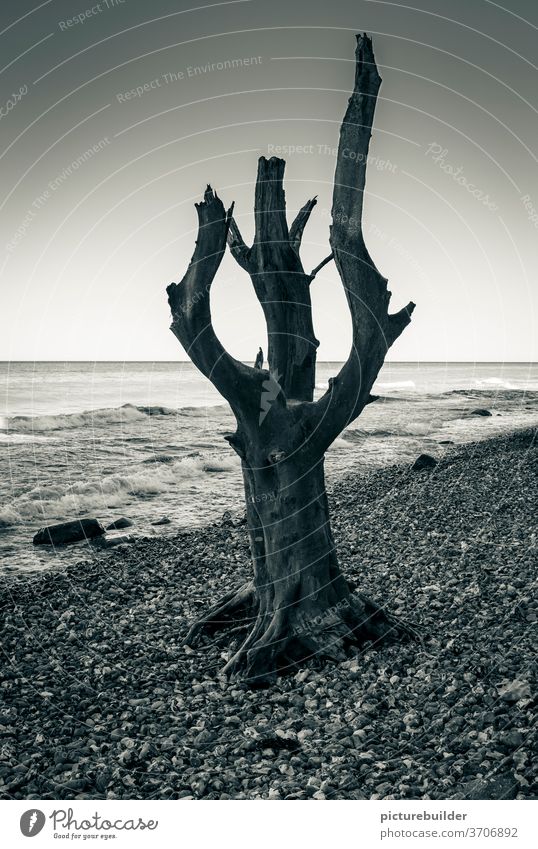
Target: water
[{"x": 144, "y": 440}]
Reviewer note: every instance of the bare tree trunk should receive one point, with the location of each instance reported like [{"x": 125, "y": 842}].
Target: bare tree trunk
[{"x": 298, "y": 604}]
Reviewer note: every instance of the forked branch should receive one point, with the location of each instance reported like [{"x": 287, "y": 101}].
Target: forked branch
[
  {"x": 191, "y": 312},
  {"x": 280, "y": 282},
  {"x": 374, "y": 330}
]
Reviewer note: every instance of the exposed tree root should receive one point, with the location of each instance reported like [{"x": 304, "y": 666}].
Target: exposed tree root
[
  {"x": 237, "y": 608},
  {"x": 280, "y": 640}
]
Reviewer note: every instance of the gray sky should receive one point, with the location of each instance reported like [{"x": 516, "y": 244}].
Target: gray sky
[{"x": 88, "y": 246}]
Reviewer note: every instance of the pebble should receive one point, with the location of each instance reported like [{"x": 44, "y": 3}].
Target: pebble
[{"x": 142, "y": 717}]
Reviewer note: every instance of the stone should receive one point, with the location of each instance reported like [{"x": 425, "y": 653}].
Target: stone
[
  {"x": 120, "y": 524},
  {"x": 164, "y": 520},
  {"x": 424, "y": 461},
  {"x": 496, "y": 787},
  {"x": 513, "y": 691},
  {"x": 68, "y": 532},
  {"x": 480, "y": 412},
  {"x": 358, "y": 738},
  {"x": 512, "y": 739}
]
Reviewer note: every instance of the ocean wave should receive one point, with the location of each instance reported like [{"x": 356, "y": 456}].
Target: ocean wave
[
  {"x": 60, "y": 502},
  {"x": 160, "y": 458},
  {"x": 9, "y": 517},
  {"x": 153, "y": 411},
  {"x": 126, "y": 414},
  {"x": 198, "y": 412},
  {"x": 494, "y": 383},
  {"x": 339, "y": 444},
  {"x": 501, "y": 383},
  {"x": 409, "y": 429},
  {"x": 11, "y": 438},
  {"x": 496, "y": 393},
  {"x": 397, "y": 384},
  {"x": 89, "y": 418}
]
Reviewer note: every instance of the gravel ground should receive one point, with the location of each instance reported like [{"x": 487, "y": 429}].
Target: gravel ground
[{"x": 102, "y": 700}]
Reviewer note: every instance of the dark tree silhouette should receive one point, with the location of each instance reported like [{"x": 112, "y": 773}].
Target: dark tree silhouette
[{"x": 298, "y": 603}]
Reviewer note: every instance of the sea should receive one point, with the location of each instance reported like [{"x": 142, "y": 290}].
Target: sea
[{"x": 144, "y": 440}]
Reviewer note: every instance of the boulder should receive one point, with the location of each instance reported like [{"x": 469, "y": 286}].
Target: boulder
[
  {"x": 480, "y": 412},
  {"x": 424, "y": 461},
  {"x": 502, "y": 786},
  {"x": 164, "y": 520},
  {"x": 446, "y": 442},
  {"x": 120, "y": 524},
  {"x": 68, "y": 532}
]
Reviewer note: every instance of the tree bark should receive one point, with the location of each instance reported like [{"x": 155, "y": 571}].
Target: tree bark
[
  {"x": 280, "y": 282},
  {"x": 298, "y": 605}
]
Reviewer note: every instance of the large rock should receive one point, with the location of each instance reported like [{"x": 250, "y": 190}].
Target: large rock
[
  {"x": 424, "y": 461},
  {"x": 480, "y": 412},
  {"x": 502, "y": 786},
  {"x": 68, "y": 532},
  {"x": 120, "y": 524}
]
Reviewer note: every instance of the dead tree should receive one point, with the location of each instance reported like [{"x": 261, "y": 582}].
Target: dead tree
[{"x": 298, "y": 604}]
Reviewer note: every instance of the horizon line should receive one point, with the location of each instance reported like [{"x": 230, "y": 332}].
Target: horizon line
[{"x": 387, "y": 362}]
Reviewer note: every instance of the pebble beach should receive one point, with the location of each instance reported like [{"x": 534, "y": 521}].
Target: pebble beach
[{"x": 101, "y": 699}]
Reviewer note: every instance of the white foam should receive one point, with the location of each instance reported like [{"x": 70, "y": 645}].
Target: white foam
[
  {"x": 419, "y": 428},
  {"x": 20, "y": 438},
  {"x": 126, "y": 414},
  {"x": 495, "y": 382},
  {"x": 91, "y": 418},
  {"x": 341, "y": 444},
  {"x": 61, "y": 502},
  {"x": 397, "y": 384},
  {"x": 9, "y": 516}
]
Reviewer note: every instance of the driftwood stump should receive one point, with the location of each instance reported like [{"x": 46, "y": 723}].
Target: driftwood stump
[{"x": 298, "y": 604}]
